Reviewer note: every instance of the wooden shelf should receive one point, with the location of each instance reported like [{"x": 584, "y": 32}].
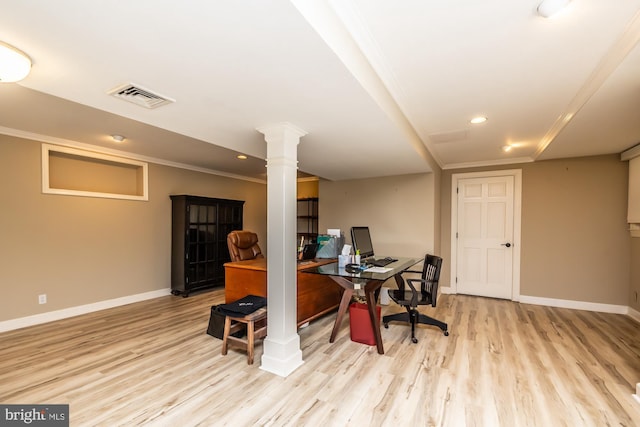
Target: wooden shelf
[{"x": 307, "y": 226}]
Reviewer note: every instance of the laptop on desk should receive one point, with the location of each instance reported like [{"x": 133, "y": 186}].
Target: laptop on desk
[
  {"x": 308, "y": 252},
  {"x": 361, "y": 239}
]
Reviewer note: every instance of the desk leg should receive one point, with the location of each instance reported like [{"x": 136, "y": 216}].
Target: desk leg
[
  {"x": 400, "y": 284},
  {"x": 371, "y": 291},
  {"x": 344, "y": 304}
]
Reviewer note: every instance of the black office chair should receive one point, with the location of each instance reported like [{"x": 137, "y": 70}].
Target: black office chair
[{"x": 425, "y": 294}]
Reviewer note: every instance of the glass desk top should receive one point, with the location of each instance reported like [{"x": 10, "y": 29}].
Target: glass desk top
[{"x": 379, "y": 273}]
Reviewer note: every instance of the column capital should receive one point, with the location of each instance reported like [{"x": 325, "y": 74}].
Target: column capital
[{"x": 281, "y": 130}]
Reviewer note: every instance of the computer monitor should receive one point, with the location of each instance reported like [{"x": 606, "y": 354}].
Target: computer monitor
[
  {"x": 309, "y": 251},
  {"x": 361, "y": 240}
]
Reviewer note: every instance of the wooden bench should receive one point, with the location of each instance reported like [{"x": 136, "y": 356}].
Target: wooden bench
[{"x": 233, "y": 324}]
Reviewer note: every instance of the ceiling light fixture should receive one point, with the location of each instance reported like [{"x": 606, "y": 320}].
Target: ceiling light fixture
[
  {"x": 478, "y": 120},
  {"x": 548, "y": 8},
  {"x": 14, "y": 64},
  {"x": 241, "y": 157},
  {"x": 511, "y": 145},
  {"x": 118, "y": 138}
]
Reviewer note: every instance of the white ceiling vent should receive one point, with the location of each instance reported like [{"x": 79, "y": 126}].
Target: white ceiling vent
[
  {"x": 451, "y": 136},
  {"x": 139, "y": 95}
]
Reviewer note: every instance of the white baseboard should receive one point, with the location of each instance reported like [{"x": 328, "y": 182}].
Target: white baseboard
[
  {"x": 634, "y": 314},
  {"x": 50, "y": 316},
  {"x": 577, "y": 305}
]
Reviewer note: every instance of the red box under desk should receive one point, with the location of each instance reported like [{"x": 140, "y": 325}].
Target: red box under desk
[{"x": 360, "y": 323}]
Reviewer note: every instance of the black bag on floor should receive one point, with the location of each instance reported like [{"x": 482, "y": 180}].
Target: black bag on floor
[{"x": 216, "y": 324}]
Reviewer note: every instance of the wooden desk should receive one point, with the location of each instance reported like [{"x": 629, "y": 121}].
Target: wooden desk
[{"x": 317, "y": 294}]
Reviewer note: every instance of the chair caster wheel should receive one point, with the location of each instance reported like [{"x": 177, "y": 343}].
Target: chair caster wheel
[
  {"x": 386, "y": 325},
  {"x": 415, "y": 340},
  {"x": 446, "y": 333}
]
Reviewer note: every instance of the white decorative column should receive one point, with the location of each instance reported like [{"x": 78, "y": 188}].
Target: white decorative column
[{"x": 282, "y": 354}]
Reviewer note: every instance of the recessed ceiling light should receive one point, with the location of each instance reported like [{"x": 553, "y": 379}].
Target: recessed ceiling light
[
  {"x": 511, "y": 145},
  {"x": 241, "y": 157},
  {"x": 478, "y": 120},
  {"x": 118, "y": 138},
  {"x": 549, "y": 8}
]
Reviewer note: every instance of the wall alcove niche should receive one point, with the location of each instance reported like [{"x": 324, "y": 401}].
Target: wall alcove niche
[{"x": 73, "y": 172}]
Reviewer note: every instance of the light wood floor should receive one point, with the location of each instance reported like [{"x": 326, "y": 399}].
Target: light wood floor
[{"x": 504, "y": 364}]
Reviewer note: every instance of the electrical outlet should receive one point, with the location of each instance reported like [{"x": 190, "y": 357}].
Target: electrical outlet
[{"x": 42, "y": 299}]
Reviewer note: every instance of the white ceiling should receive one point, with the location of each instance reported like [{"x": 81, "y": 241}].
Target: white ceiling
[{"x": 381, "y": 87}]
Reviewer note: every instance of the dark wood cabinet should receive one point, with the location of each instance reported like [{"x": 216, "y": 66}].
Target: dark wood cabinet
[{"x": 199, "y": 241}]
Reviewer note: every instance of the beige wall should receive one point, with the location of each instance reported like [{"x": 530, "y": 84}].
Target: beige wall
[
  {"x": 399, "y": 210},
  {"x": 307, "y": 188},
  {"x": 82, "y": 250},
  {"x": 575, "y": 243},
  {"x": 79, "y": 250}
]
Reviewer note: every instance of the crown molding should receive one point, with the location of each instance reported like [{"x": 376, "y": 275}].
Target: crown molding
[
  {"x": 488, "y": 163},
  {"x": 630, "y": 153},
  {"x": 124, "y": 154}
]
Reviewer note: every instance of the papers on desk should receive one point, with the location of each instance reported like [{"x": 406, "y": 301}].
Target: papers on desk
[{"x": 378, "y": 269}]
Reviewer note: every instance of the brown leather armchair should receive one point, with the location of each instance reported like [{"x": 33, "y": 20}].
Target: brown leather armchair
[{"x": 243, "y": 245}]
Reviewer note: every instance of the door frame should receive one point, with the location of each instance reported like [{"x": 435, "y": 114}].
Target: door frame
[{"x": 517, "y": 214}]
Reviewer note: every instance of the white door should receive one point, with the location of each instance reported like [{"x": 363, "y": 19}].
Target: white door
[{"x": 485, "y": 236}]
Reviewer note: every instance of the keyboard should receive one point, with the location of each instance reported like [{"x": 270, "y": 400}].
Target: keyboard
[{"x": 380, "y": 262}]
